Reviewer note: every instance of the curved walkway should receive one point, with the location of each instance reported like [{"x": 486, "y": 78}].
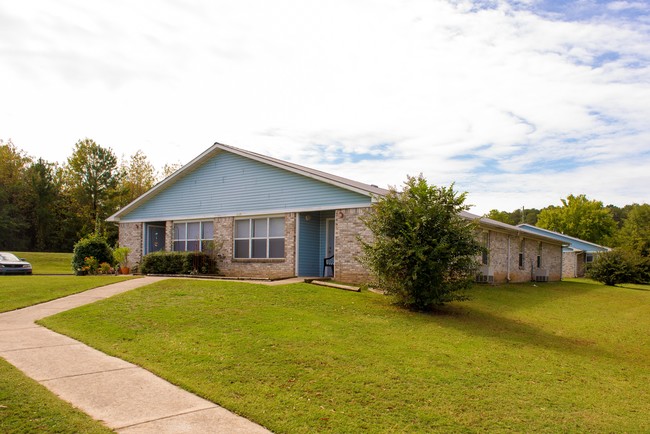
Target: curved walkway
[{"x": 124, "y": 396}]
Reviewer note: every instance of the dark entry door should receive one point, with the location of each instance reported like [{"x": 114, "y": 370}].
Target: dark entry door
[{"x": 156, "y": 238}]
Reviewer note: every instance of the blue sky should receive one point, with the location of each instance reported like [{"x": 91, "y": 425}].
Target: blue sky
[{"x": 520, "y": 103}]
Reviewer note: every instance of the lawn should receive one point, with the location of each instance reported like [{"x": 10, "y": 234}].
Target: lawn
[
  {"x": 25, "y": 405},
  {"x": 28, "y": 407},
  {"x": 22, "y": 291},
  {"x": 570, "y": 356},
  {"x": 48, "y": 263}
]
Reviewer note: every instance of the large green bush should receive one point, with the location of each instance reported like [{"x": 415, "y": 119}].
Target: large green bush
[
  {"x": 178, "y": 263},
  {"x": 423, "y": 251},
  {"x": 93, "y": 246},
  {"x": 620, "y": 266}
]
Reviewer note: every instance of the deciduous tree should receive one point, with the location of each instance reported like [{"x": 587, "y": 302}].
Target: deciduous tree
[
  {"x": 579, "y": 217},
  {"x": 635, "y": 232},
  {"x": 138, "y": 176},
  {"x": 13, "y": 197},
  {"x": 93, "y": 176}
]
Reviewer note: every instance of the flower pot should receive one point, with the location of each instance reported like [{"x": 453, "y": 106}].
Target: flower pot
[{"x": 125, "y": 270}]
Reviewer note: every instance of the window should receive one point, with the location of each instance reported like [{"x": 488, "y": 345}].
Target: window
[
  {"x": 485, "y": 259},
  {"x": 539, "y": 255},
  {"x": 193, "y": 236},
  {"x": 521, "y": 254},
  {"x": 259, "y": 238},
  {"x": 589, "y": 257}
]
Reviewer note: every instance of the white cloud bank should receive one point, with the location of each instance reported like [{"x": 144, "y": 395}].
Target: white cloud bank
[{"x": 517, "y": 107}]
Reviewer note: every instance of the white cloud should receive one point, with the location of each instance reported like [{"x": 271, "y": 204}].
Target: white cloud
[
  {"x": 625, "y": 5},
  {"x": 305, "y": 80}
]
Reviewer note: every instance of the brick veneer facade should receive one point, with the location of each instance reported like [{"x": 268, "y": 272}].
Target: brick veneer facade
[
  {"x": 268, "y": 268},
  {"x": 503, "y": 259},
  {"x": 348, "y": 227},
  {"x": 131, "y": 236},
  {"x": 573, "y": 264}
]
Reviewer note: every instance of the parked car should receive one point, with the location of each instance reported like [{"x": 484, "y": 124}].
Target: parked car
[{"x": 12, "y": 264}]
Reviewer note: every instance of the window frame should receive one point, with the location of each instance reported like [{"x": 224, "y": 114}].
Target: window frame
[
  {"x": 251, "y": 238},
  {"x": 200, "y": 240}
]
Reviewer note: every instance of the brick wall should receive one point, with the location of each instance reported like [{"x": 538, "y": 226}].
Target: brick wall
[
  {"x": 569, "y": 265},
  {"x": 347, "y": 248},
  {"x": 267, "y": 268},
  {"x": 498, "y": 259},
  {"x": 130, "y": 236},
  {"x": 573, "y": 264},
  {"x": 169, "y": 236}
]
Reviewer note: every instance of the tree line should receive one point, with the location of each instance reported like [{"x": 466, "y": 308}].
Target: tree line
[
  {"x": 625, "y": 227},
  {"x": 46, "y": 206}
]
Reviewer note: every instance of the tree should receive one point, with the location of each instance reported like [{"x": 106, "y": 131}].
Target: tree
[
  {"x": 138, "y": 176},
  {"x": 168, "y": 170},
  {"x": 423, "y": 251},
  {"x": 635, "y": 232},
  {"x": 43, "y": 193},
  {"x": 14, "y": 225},
  {"x": 515, "y": 217},
  {"x": 579, "y": 217},
  {"x": 93, "y": 177}
]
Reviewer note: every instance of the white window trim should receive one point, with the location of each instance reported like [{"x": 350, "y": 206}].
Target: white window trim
[
  {"x": 250, "y": 238},
  {"x": 185, "y": 240}
]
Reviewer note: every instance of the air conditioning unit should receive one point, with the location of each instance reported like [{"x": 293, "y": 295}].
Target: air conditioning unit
[
  {"x": 541, "y": 278},
  {"x": 484, "y": 278}
]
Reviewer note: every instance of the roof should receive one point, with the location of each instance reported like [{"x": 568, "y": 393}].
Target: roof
[
  {"x": 575, "y": 243},
  {"x": 505, "y": 227},
  {"x": 339, "y": 181}
]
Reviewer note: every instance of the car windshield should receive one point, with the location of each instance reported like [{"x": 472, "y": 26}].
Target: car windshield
[{"x": 8, "y": 257}]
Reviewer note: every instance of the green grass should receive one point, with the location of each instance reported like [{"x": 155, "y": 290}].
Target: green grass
[
  {"x": 28, "y": 407},
  {"x": 22, "y": 291},
  {"x": 48, "y": 263},
  {"x": 565, "y": 357}
]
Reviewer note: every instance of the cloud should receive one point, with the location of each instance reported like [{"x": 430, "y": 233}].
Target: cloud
[
  {"x": 501, "y": 97},
  {"x": 625, "y": 5}
]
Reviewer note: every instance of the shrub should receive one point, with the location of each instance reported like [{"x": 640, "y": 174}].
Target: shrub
[
  {"x": 93, "y": 246},
  {"x": 105, "y": 268},
  {"x": 620, "y": 266},
  {"x": 424, "y": 251},
  {"x": 178, "y": 263}
]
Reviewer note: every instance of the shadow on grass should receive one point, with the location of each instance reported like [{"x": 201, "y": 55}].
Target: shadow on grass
[
  {"x": 492, "y": 326},
  {"x": 634, "y": 287},
  {"x": 530, "y": 294}
]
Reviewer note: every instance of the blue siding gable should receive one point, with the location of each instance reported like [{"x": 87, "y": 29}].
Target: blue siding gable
[
  {"x": 228, "y": 184},
  {"x": 574, "y": 242}
]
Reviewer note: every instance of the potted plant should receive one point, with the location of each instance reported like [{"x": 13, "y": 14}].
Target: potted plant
[{"x": 121, "y": 256}]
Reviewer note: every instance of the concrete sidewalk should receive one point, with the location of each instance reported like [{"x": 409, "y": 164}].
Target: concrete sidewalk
[{"x": 124, "y": 396}]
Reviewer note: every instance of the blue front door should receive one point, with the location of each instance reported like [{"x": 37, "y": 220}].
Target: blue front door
[{"x": 156, "y": 238}]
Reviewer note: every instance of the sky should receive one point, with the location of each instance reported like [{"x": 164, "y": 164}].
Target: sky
[{"x": 519, "y": 103}]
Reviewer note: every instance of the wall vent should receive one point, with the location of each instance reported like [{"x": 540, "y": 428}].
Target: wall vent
[{"x": 484, "y": 278}]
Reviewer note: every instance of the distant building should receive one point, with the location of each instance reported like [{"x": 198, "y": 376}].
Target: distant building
[{"x": 575, "y": 255}]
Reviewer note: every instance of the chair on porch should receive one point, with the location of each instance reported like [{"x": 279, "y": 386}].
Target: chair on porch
[{"x": 328, "y": 263}]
